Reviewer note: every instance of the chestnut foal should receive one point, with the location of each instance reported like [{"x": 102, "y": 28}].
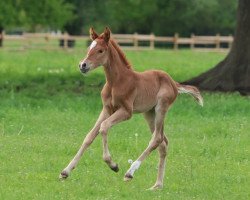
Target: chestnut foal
[{"x": 126, "y": 92}]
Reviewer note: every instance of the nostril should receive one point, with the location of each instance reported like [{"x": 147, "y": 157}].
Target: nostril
[{"x": 84, "y": 64}]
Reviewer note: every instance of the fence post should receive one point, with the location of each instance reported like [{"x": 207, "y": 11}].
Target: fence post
[
  {"x": 24, "y": 42},
  {"x": 192, "y": 42},
  {"x": 217, "y": 41},
  {"x": 136, "y": 40},
  {"x": 152, "y": 41},
  {"x": 28, "y": 41},
  {"x": 46, "y": 38},
  {"x": 176, "y": 36},
  {"x": 65, "y": 44}
]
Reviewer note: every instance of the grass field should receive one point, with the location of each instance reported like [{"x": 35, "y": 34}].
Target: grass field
[{"x": 47, "y": 107}]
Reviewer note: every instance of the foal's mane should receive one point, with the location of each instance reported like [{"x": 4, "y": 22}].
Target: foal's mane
[{"x": 120, "y": 53}]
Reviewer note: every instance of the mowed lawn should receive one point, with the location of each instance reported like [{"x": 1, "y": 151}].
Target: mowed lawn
[{"x": 47, "y": 107}]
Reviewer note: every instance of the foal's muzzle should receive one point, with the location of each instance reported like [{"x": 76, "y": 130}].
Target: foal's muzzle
[{"x": 84, "y": 68}]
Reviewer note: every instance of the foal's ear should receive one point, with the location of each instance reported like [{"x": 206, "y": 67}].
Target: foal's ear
[
  {"x": 106, "y": 34},
  {"x": 92, "y": 34}
]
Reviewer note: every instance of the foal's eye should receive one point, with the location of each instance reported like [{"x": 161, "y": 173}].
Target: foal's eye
[{"x": 100, "y": 51}]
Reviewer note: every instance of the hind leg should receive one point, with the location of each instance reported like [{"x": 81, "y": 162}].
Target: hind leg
[
  {"x": 162, "y": 164},
  {"x": 157, "y": 137},
  {"x": 162, "y": 149}
]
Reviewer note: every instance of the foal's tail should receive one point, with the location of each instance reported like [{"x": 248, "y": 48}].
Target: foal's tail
[{"x": 191, "y": 90}]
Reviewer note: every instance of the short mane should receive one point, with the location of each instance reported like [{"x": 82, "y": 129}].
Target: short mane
[{"x": 121, "y": 54}]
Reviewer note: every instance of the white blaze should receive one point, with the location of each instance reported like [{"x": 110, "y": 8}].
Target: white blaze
[{"x": 93, "y": 44}]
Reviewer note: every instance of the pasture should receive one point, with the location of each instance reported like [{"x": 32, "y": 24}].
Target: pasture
[{"x": 47, "y": 107}]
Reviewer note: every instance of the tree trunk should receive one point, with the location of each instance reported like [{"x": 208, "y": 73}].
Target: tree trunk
[{"x": 233, "y": 73}]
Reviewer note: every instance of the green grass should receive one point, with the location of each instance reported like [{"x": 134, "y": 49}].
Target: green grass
[{"x": 47, "y": 107}]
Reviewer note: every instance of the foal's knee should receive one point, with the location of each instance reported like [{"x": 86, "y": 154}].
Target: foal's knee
[
  {"x": 104, "y": 127},
  {"x": 159, "y": 140},
  {"x": 127, "y": 114}
]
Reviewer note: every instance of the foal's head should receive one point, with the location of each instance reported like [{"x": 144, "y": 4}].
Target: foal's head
[{"x": 97, "y": 52}]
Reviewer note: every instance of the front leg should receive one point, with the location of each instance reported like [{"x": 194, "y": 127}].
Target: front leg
[
  {"x": 119, "y": 116},
  {"x": 87, "y": 141}
]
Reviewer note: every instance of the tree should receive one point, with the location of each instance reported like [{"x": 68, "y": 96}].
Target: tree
[
  {"x": 30, "y": 14},
  {"x": 233, "y": 73},
  {"x": 8, "y": 13},
  {"x": 47, "y": 14},
  {"x": 9, "y": 16},
  {"x": 162, "y": 17}
]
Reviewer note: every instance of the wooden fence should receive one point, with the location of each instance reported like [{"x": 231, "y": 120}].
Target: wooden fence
[
  {"x": 127, "y": 41},
  {"x": 209, "y": 43}
]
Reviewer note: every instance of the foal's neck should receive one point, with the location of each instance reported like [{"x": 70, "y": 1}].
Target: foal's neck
[{"x": 115, "y": 69}]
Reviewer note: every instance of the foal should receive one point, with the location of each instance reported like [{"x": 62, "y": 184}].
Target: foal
[{"x": 124, "y": 93}]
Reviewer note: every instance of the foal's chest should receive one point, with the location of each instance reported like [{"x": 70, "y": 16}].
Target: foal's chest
[{"x": 112, "y": 102}]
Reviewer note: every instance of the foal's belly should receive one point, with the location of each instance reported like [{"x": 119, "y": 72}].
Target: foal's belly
[
  {"x": 146, "y": 92},
  {"x": 143, "y": 108},
  {"x": 144, "y": 103}
]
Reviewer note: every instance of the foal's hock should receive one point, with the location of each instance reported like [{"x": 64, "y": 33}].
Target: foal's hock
[{"x": 126, "y": 92}]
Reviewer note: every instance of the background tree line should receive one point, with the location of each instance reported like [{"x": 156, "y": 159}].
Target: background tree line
[{"x": 162, "y": 17}]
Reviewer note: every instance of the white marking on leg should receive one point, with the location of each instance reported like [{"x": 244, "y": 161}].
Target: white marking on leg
[
  {"x": 93, "y": 44},
  {"x": 135, "y": 165}
]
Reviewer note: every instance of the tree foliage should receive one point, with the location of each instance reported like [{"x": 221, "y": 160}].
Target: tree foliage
[
  {"x": 163, "y": 17},
  {"x": 35, "y": 15},
  {"x": 51, "y": 14},
  {"x": 8, "y": 13}
]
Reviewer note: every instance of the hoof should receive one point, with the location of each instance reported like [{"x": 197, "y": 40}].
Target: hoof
[
  {"x": 63, "y": 175},
  {"x": 115, "y": 168},
  {"x": 128, "y": 177},
  {"x": 156, "y": 187}
]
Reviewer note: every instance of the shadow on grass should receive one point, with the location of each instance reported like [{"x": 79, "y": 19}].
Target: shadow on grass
[{"x": 44, "y": 85}]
